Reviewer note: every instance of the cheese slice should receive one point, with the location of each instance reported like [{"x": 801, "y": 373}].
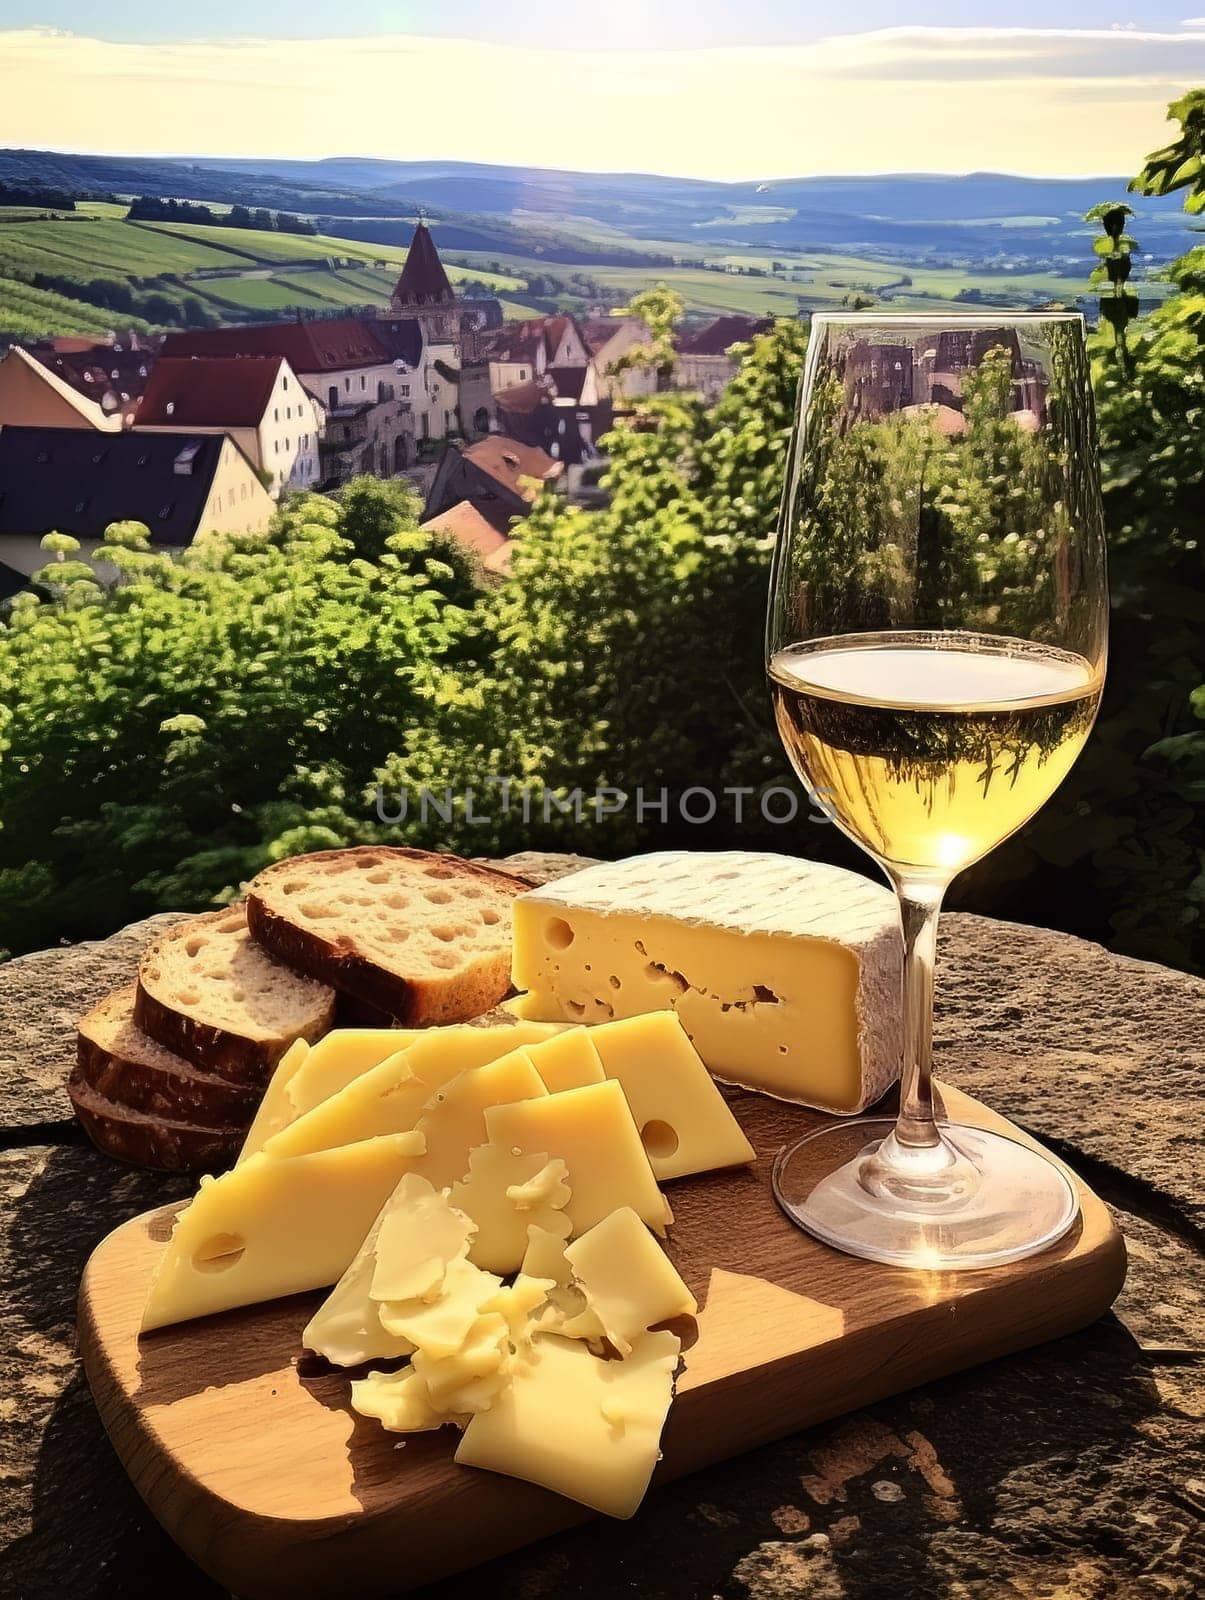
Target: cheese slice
[
  {"x": 442, "y": 1325},
  {"x": 504, "y": 1194},
  {"x": 269, "y": 1228},
  {"x": 591, "y": 1130},
  {"x": 419, "y": 1236},
  {"x": 628, "y": 1280},
  {"x": 308, "y": 1074},
  {"x": 389, "y": 1097},
  {"x": 569, "y": 1061},
  {"x": 453, "y": 1123},
  {"x": 400, "y": 1402},
  {"x": 585, "y": 1428},
  {"x": 685, "y": 1123},
  {"x": 786, "y": 974},
  {"x": 346, "y": 1328}
]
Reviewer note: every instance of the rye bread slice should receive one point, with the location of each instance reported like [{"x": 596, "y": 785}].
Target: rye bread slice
[
  {"x": 424, "y": 938},
  {"x": 208, "y": 992},
  {"x": 130, "y": 1069},
  {"x": 148, "y": 1141}
]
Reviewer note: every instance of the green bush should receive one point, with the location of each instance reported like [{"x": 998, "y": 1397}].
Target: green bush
[{"x": 161, "y": 741}]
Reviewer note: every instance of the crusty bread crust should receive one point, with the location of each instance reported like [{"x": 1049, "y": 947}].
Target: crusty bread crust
[
  {"x": 223, "y": 1051},
  {"x": 146, "y": 1141},
  {"x": 127, "y": 1067},
  {"x": 337, "y": 958}
]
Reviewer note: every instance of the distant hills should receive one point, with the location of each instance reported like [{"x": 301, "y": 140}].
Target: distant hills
[
  {"x": 972, "y": 212},
  {"x": 578, "y": 217}
]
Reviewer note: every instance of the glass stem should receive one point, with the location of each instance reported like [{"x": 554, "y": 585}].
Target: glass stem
[{"x": 920, "y": 906}]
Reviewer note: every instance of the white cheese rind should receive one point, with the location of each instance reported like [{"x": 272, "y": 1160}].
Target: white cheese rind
[{"x": 741, "y": 918}]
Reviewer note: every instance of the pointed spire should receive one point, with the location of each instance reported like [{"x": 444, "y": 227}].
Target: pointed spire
[{"x": 423, "y": 281}]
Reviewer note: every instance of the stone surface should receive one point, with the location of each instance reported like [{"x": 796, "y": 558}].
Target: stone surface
[
  {"x": 1073, "y": 1471},
  {"x": 42, "y": 997}
]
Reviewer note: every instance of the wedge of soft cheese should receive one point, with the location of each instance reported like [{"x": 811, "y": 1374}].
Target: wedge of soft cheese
[
  {"x": 389, "y": 1097},
  {"x": 310, "y": 1073},
  {"x": 583, "y": 1427},
  {"x": 786, "y": 974},
  {"x": 628, "y": 1280},
  {"x": 685, "y": 1123},
  {"x": 591, "y": 1130},
  {"x": 269, "y": 1228}
]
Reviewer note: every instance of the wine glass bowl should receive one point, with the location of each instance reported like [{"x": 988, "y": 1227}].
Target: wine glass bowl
[{"x": 936, "y": 650}]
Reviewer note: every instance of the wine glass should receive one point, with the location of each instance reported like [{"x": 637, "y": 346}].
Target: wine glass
[{"x": 936, "y": 648}]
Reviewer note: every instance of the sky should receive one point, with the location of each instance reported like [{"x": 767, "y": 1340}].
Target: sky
[{"x": 697, "y": 88}]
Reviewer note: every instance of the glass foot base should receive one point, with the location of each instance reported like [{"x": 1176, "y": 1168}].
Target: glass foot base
[{"x": 978, "y": 1200}]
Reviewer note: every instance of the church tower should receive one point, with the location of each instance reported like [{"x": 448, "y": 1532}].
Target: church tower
[{"x": 424, "y": 292}]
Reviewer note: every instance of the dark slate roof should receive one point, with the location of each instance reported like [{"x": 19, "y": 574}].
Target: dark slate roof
[
  {"x": 78, "y": 481},
  {"x": 569, "y": 381},
  {"x": 423, "y": 281},
  {"x": 324, "y": 344},
  {"x": 11, "y": 582},
  {"x": 209, "y": 391},
  {"x": 114, "y": 376},
  {"x": 401, "y": 338},
  {"x": 718, "y": 336}
]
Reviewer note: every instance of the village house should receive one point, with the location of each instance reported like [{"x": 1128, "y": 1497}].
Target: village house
[
  {"x": 346, "y": 368},
  {"x": 258, "y": 400},
  {"x": 560, "y": 413},
  {"x": 520, "y": 351},
  {"x": 111, "y": 374},
  {"x": 183, "y": 486},
  {"x": 32, "y": 394},
  {"x": 499, "y": 477},
  {"x": 703, "y": 362},
  {"x": 608, "y": 339},
  {"x": 473, "y": 530}
]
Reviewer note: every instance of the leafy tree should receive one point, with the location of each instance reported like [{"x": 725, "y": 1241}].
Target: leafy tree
[{"x": 162, "y": 739}]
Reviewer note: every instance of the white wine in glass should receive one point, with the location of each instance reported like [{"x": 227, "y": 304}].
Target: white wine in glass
[{"x": 935, "y": 649}]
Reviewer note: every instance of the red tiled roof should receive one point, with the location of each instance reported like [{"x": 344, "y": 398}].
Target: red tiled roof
[
  {"x": 717, "y": 336},
  {"x": 522, "y": 398},
  {"x": 208, "y": 391},
  {"x": 324, "y": 344},
  {"x": 467, "y": 524},
  {"x": 423, "y": 281},
  {"x": 508, "y": 461}
]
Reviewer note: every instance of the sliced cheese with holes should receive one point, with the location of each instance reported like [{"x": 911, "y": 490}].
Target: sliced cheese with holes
[
  {"x": 786, "y": 974},
  {"x": 389, "y": 1097},
  {"x": 591, "y": 1130},
  {"x": 505, "y": 1193},
  {"x": 307, "y": 1074},
  {"x": 628, "y": 1280},
  {"x": 346, "y": 1328},
  {"x": 269, "y": 1228},
  {"x": 582, "y": 1427},
  {"x": 685, "y": 1123}
]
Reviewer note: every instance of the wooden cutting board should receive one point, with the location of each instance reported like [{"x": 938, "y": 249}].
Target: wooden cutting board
[{"x": 245, "y": 1449}]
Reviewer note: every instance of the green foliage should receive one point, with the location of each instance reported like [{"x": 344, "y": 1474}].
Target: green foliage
[{"x": 162, "y": 739}]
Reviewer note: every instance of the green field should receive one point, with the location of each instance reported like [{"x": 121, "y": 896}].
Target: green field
[{"x": 235, "y": 271}]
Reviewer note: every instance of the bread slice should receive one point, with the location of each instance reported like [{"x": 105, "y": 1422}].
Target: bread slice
[
  {"x": 128, "y": 1068},
  {"x": 421, "y": 937},
  {"x": 148, "y": 1141},
  {"x": 208, "y": 992}
]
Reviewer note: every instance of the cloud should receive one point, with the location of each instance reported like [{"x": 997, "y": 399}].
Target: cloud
[{"x": 932, "y": 99}]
